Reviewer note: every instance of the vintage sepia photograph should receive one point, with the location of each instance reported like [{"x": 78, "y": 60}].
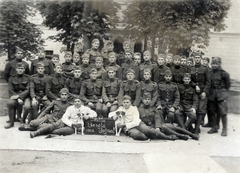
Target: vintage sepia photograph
[{"x": 133, "y": 86}]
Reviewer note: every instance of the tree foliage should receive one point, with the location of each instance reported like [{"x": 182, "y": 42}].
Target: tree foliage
[
  {"x": 78, "y": 19},
  {"x": 177, "y": 24},
  {"x": 16, "y": 30}
]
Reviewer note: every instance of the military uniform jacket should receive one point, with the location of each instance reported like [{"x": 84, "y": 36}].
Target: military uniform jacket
[
  {"x": 55, "y": 110},
  {"x": 116, "y": 67},
  {"x": 85, "y": 71},
  {"x": 178, "y": 73},
  {"x": 111, "y": 89},
  {"x": 131, "y": 88},
  {"x": 150, "y": 116},
  {"x": 55, "y": 83},
  {"x": 67, "y": 69},
  {"x": 74, "y": 86},
  {"x": 188, "y": 97},
  {"x": 153, "y": 67},
  {"x": 100, "y": 73},
  {"x": 152, "y": 88},
  {"x": 220, "y": 84},
  {"x": 48, "y": 65},
  {"x": 201, "y": 77},
  {"x": 10, "y": 68},
  {"x": 168, "y": 95},
  {"x": 19, "y": 85},
  {"x": 129, "y": 65},
  {"x": 38, "y": 86},
  {"x": 91, "y": 90},
  {"x": 93, "y": 54},
  {"x": 161, "y": 71}
]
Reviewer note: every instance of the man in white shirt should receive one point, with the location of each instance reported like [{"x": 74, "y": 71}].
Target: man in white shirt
[{"x": 72, "y": 118}]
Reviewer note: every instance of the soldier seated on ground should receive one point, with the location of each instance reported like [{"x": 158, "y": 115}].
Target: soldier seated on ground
[
  {"x": 131, "y": 123},
  {"x": 73, "y": 118},
  {"x": 51, "y": 114},
  {"x": 153, "y": 118}
]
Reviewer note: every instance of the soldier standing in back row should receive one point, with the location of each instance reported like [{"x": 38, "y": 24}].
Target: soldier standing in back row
[
  {"x": 93, "y": 52},
  {"x": 161, "y": 67},
  {"x": 220, "y": 84}
]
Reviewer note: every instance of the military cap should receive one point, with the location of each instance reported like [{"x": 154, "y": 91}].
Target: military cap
[
  {"x": 111, "y": 69},
  {"x": 190, "y": 59},
  {"x": 126, "y": 42},
  {"x": 161, "y": 55},
  {"x": 183, "y": 57},
  {"x": 58, "y": 64},
  {"x": 168, "y": 72},
  {"x": 177, "y": 57},
  {"x": 40, "y": 64},
  {"x": 99, "y": 58},
  {"x": 95, "y": 40},
  {"x": 146, "y": 95},
  {"x": 55, "y": 55},
  {"x": 198, "y": 53},
  {"x": 216, "y": 60},
  {"x": 77, "y": 68},
  {"x": 76, "y": 54},
  {"x": 68, "y": 53},
  {"x": 206, "y": 58},
  {"x": 130, "y": 71},
  {"x": 147, "y": 70},
  {"x": 169, "y": 54},
  {"x": 146, "y": 52},
  {"x": 109, "y": 42},
  {"x": 137, "y": 54},
  {"x": 187, "y": 75},
  {"x": 112, "y": 54},
  {"x": 93, "y": 70},
  {"x": 41, "y": 49},
  {"x": 85, "y": 56},
  {"x": 19, "y": 50},
  {"x": 64, "y": 90},
  {"x": 20, "y": 65},
  {"x": 128, "y": 51}
]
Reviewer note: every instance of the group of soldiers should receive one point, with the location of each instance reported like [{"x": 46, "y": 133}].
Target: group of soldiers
[{"x": 166, "y": 88}]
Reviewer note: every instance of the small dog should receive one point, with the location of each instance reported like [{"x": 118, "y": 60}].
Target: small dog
[
  {"x": 81, "y": 123},
  {"x": 120, "y": 115}
]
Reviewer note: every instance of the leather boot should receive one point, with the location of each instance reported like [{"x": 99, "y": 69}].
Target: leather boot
[
  {"x": 224, "y": 123},
  {"x": 27, "y": 128},
  {"x": 213, "y": 130},
  {"x": 46, "y": 129},
  {"x": 9, "y": 125},
  {"x": 197, "y": 125}
]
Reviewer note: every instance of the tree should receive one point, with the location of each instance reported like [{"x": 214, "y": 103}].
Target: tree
[
  {"x": 177, "y": 24},
  {"x": 78, "y": 19},
  {"x": 16, "y": 30}
]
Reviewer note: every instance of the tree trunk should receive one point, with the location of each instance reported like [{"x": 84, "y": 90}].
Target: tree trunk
[
  {"x": 145, "y": 41},
  {"x": 86, "y": 13}
]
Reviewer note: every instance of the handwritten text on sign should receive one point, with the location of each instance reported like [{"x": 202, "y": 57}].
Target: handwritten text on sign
[{"x": 100, "y": 127}]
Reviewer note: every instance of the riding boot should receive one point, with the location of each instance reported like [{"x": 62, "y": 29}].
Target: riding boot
[{"x": 224, "y": 123}]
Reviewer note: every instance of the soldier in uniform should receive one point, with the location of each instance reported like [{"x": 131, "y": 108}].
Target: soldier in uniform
[
  {"x": 55, "y": 83},
  {"x": 76, "y": 59},
  {"x": 93, "y": 52},
  {"x": 130, "y": 87},
  {"x": 201, "y": 78},
  {"x": 183, "y": 61},
  {"x": 18, "y": 88},
  {"x": 74, "y": 84},
  {"x": 220, "y": 84},
  {"x": 67, "y": 66},
  {"x": 51, "y": 114},
  {"x": 161, "y": 67},
  {"x": 37, "y": 88},
  {"x": 99, "y": 66},
  {"x": 91, "y": 94},
  {"x": 55, "y": 59},
  {"x": 10, "y": 68},
  {"x": 177, "y": 70},
  {"x": 137, "y": 58},
  {"x": 149, "y": 65},
  {"x": 129, "y": 64},
  {"x": 169, "y": 99},
  {"x": 48, "y": 64},
  {"x": 188, "y": 101},
  {"x": 85, "y": 67},
  {"x": 150, "y": 87},
  {"x": 169, "y": 60},
  {"x": 111, "y": 87},
  {"x": 108, "y": 47}
]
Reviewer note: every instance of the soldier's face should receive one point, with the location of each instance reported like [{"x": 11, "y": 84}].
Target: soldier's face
[
  {"x": 147, "y": 76},
  {"x": 95, "y": 45},
  {"x": 189, "y": 63},
  {"x": 130, "y": 76},
  {"x": 183, "y": 62},
  {"x": 168, "y": 78},
  {"x": 126, "y": 104},
  {"x": 19, "y": 55},
  {"x": 76, "y": 59},
  {"x": 40, "y": 70},
  {"x": 77, "y": 73},
  {"x": 128, "y": 56},
  {"x": 147, "y": 57},
  {"x": 160, "y": 61},
  {"x": 98, "y": 64},
  {"x": 20, "y": 70},
  {"x": 85, "y": 61},
  {"x": 64, "y": 96},
  {"x": 93, "y": 75},
  {"x": 77, "y": 103},
  {"x": 205, "y": 63},
  {"x": 111, "y": 74},
  {"x": 177, "y": 61},
  {"x": 215, "y": 65},
  {"x": 112, "y": 59},
  {"x": 186, "y": 80},
  {"x": 146, "y": 101},
  {"x": 41, "y": 54},
  {"x": 169, "y": 59},
  {"x": 58, "y": 69},
  {"x": 137, "y": 59},
  {"x": 197, "y": 59},
  {"x": 68, "y": 58},
  {"x": 55, "y": 60},
  {"x": 110, "y": 47}
]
